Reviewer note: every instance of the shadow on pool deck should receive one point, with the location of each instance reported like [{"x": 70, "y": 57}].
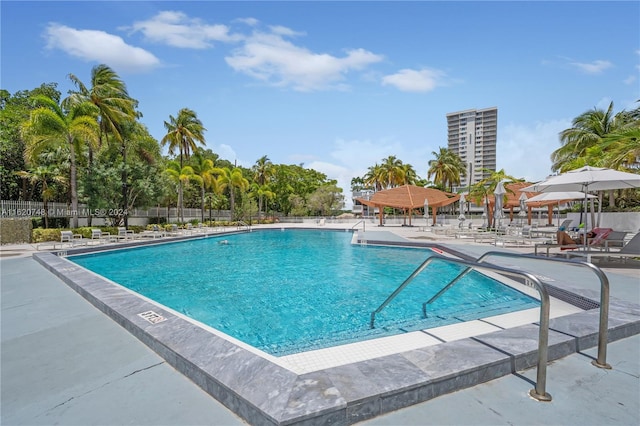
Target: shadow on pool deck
[{"x": 64, "y": 362}]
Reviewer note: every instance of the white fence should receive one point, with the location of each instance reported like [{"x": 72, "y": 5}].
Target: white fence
[{"x": 13, "y": 209}]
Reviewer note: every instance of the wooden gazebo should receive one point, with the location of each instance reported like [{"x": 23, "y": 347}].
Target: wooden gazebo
[{"x": 408, "y": 198}]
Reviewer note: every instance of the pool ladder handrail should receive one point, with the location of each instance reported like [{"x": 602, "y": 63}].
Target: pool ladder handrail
[
  {"x": 244, "y": 225},
  {"x": 603, "y": 328},
  {"x": 364, "y": 224},
  {"x": 538, "y": 392}
]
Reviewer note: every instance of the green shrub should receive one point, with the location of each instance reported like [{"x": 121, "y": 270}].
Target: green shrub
[{"x": 40, "y": 235}]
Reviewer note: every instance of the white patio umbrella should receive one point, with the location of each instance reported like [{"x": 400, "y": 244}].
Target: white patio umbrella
[
  {"x": 499, "y": 192},
  {"x": 485, "y": 223},
  {"x": 463, "y": 200},
  {"x": 523, "y": 207},
  {"x": 426, "y": 210},
  {"x": 587, "y": 179}
]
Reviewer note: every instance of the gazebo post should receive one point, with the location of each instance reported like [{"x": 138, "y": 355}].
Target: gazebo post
[
  {"x": 550, "y": 213},
  {"x": 529, "y": 214}
]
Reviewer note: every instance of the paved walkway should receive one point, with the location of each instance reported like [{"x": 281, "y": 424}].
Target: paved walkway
[{"x": 64, "y": 362}]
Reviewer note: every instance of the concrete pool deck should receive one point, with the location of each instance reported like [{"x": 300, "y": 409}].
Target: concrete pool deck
[{"x": 64, "y": 362}]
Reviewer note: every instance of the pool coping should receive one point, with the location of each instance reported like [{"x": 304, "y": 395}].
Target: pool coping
[{"x": 263, "y": 392}]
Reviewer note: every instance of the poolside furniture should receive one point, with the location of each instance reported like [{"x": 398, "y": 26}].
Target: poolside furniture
[
  {"x": 600, "y": 242},
  {"x": 99, "y": 236},
  {"x": 125, "y": 234},
  {"x": 631, "y": 249},
  {"x": 68, "y": 237},
  {"x": 155, "y": 232}
]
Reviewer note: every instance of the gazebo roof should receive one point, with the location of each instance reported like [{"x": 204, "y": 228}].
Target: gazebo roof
[{"x": 410, "y": 197}]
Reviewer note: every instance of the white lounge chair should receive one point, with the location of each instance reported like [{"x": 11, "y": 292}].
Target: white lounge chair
[
  {"x": 99, "y": 236},
  {"x": 68, "y": 237},
  {"x": 631, "y": 249},
  {"x": 125, "y": 234}
]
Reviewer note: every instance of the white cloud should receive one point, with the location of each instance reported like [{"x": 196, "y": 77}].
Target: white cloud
[
  {"x": 178, "y": 30},
  {"x": 100, "y": 47},
  {"x": 408, "y": 80},
  {"x": 630, "y": 80},
  {"x": 270, "y": 58},
  {"x": 525, "y": 151},
  {"x": 595, "y": 67}
]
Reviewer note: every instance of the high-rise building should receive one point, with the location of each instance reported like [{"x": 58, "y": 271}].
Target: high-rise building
[{"x": 472, "y": 134}]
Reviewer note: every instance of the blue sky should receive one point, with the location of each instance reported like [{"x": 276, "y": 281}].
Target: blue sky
[{"x": 339, "y": 86}]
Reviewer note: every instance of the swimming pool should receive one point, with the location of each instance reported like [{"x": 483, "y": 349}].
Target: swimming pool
[{"x": 289, "y": 291}]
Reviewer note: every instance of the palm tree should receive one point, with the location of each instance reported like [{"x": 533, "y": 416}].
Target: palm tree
[
  {"x": 231, "y": 179},
  {"x": 203, "y": 167},
  {"x": 50, "y": 126},
  {"x": 183, "y": 132},
  {"x": 263, "y": 172},
  {"x": 447, "y": 169},
  {"x": 392, "y": 171},
  {"x": 181, "y": 176},
  {"x": 44, "y": 175},
  {"x": 409, "y": 175},
  {"x": 374, "y": 178},
  {"x": 482, "y": 190},
  {"x": 588, "y": 130},
  {"x": 109, "y": 94}
]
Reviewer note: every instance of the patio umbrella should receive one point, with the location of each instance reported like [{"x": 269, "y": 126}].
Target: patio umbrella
[
  {"x": 523, "y": 207},
  {"x": 485, "y": 214},
  {"x": 426, "y": 210},
  {"x": 463, "y": 200},
  {"x": 499, "y": 200},
  {"x": 587, "y": 179}
]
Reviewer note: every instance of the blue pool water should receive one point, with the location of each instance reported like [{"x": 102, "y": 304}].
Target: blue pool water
[{"x": 295, "y": 290}]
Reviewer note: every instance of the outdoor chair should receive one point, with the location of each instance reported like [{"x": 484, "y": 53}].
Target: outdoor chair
[
  {"x": 125, "y": 234},
  {"x": 631, "y": 249},
  {"x": 99, "y": 236},
  {"x": 68, "y": 237}
]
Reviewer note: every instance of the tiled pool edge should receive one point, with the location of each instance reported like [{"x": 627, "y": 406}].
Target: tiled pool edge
[{"x": 264, "y": 393}]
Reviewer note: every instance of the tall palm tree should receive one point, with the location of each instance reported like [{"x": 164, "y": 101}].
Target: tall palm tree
[
  {"x": 588, "y": 130},
  {"x": 109, "y": 94},
  {"x": 231, "y": 179},
  {"x": 263, "y": 172},
  {"x": 203, "y": 167},
  {"x": 43, "y": 175},
  {"x": 181, "y": 176},
  {"x": 183, "y": 131},
  {"x": 50, "y": 126},
  {"x": 374, "y": 178},
  {"x": 393, "y": 172},
  {"x": 446, "y": 169}
]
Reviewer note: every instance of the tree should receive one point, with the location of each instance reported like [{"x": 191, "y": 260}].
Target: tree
[
  {"x": 446, "y": 169},
  {"x": 231, "y": 179},
  {"x": 109, "y": 94},
  {"x": 262, "y": 174},
  {"x": 203, "y": 167},
  {"x": 326, "y": 199},
  {"x": 183, "y": 131},
  {"x": 181, "y": 176},
  {"x": 481, "y": 191},
  {"x": 14, "y": 111},
  {"x": 43, "y": 175},
  {"x": 51, "y": 125},
  {"x": 598, "y": 138}
]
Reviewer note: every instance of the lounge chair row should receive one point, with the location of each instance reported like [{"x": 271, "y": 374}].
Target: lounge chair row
[{"x": 69, "y": 240}]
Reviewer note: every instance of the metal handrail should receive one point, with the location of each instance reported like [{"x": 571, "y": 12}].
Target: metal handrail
[
  {"x": 543, "y": 335},
  {"x": 243, "y": 224},
  {"x": 364, "y": 224},
  {"x": 603, "y": 328}
]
